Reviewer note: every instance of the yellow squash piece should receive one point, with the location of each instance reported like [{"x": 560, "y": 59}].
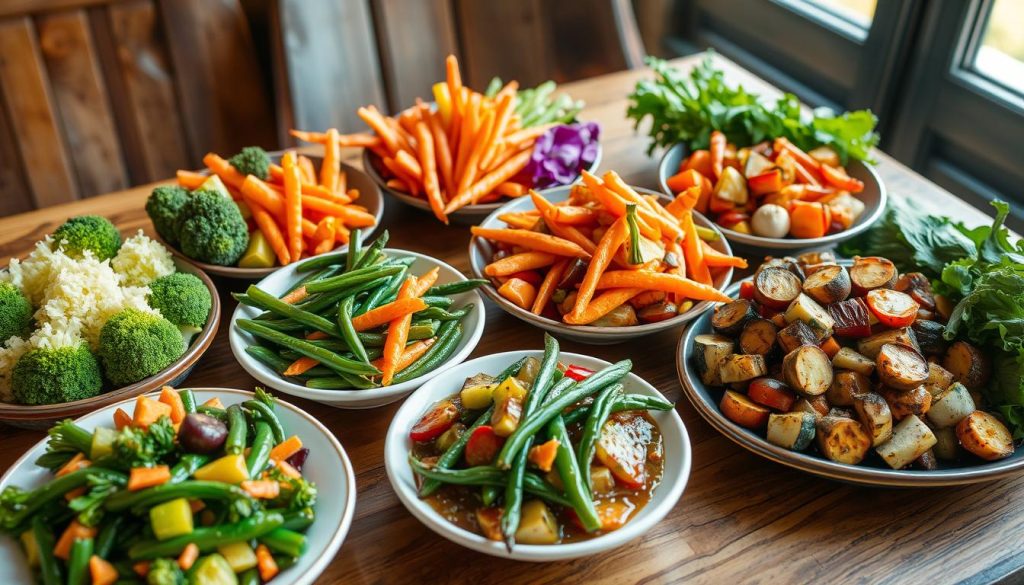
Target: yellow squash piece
[
  {"x": 213, "y": 570},
  {"x": 259, "y": 254},
  {"x": 28, "y": 540},
  {"x": 239, "y": 555},
  {"x": 228, "y": 469},
  {"x": 171, "y": 519},
  {"x": 511, "y": 387},
  {"x": 477, "y": 397}
]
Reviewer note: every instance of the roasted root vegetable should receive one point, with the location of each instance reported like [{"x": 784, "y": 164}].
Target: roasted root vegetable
[
  {"x": 967, "y": 364},
  {"x": 985, "y": 436},
  {"x": 743, "y": 411},
  {"x": 791, "y": 430},
  {"x": 771, "y": 393},
  {"x": 709, "y": 353},
  {"x": 842, "y": 440},
  {"x": 776, "y": 287},
  {"x": 808, "y": 370},
  {"x": 915, "y": 402},
  {"x": 901, "y": 367},
  {"x": 731, "y": 318},
  {"x": 874, "y": 415},
  {"x": 847, "y": 386},
  {"x": 950, "y": 406},
  {"x": 910, "y": 439},
  {"x": 830, "y": 284},
  {"x": 870, "y": 273},
  {"x": 848, "y": 359},
  {"x": 742, "y": 367}
]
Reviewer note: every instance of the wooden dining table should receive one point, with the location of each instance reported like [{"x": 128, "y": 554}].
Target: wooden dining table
[{"x": 741, "y": 519}]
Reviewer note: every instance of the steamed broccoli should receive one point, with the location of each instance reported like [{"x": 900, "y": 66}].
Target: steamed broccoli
[
  {"x": 165, "y": 572},
  {"x": 135, "y": 345},
  {"x": 182, "y": 299},
  {"x": 252, "y": 160},
  {"x": 15, "y": 312},
  {"x": 163, "y": 206},
  {"x": 211, "y": 229},
  {"x": 53, "y": 375},
  {"x": 88, "y": 232}
]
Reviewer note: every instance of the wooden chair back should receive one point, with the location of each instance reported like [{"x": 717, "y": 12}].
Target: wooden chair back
[{"x": 98, "y": 95}]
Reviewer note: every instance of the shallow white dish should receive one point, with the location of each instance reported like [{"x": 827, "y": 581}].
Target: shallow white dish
[
  {"x": 328, "y": 466},
  {"x": 280, "y": 281},
  {"x": 480, "y": 252},
  {"x": 397, "y": 446}
]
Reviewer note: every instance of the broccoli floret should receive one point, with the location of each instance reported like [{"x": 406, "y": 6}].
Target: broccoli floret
[
  {"x": 53, "y": 375},
  {"x": 15, "y": 312},
  {"x": 135, "y": 447},
  {"x": 163, "y": 206},
  {"x": 211, "y": 229},
  {"x": 252, "y": 160},
  {"x": 164, "y": 572},
  {"x": 135, "y": 345},
  {"x": 88, "y": 232},
  {"x": 182, "y": 299}
]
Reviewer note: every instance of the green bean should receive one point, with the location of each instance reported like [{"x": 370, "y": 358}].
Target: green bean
[
  {"x": 56, "y": 488},
  {"x": 186, "y": 466},
  {"x": 493, "y": 87},
  {"x": 358, "y": 276},
  {"x": 237, "y": 429},
  {"x": 49, "y": 568},
  {"x": 448, "y": 339},
  {"x": 454, "y": 288},
  {"x": 266, "y": 414},
  {"x": 416, "y": 332},
  {"x": 285, "y": 561},
  {"x": 377, "y": 296},
  {"x": 208, "y": 539},
  {"x": 107, "y": 535},
  {"x": 553, "y": 408},
  {"x": 325, "y": 357},
  {"x": 341, "y": 382},
  {"x": 442, "y": 315},
  {"x": 599, "y": 411},
  {"x": 259, "y": 453},
  {"x": 373, "y": 250},
  {"x": 355, "y": 245},
  {"x": 325, "y": 300},
  {"x": 284, "y": 541},
  {"x": 278, "y": 364},
  {"x": 300, "y": 520},
  {"x": 249, "y": 577},
  {"x": 321, "y": 261},
  {"x": 439, "y": 302},
  {"x": 192, "y": 489},
  {"x": 624, "y": 402},
  {"x": 78, "y": 564},
  {"x": 217, "y": 413},
  {"x": 348, "y": 331},
  {"x": 489, "y": 475},
  {"x": 572, "y": 476},
  {"x": 276, "y": 305},
  {"x": 188, "y": 400}
]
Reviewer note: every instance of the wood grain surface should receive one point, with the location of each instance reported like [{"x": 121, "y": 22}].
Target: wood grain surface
[{"x": 741, "y": 519}]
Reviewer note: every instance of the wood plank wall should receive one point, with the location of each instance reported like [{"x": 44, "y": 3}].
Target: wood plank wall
[{"x": 97, "y": 95}]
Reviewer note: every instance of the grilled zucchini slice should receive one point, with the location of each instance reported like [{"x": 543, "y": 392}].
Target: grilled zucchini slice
[
  {"x": 791, "y": 430},
  {"x": 740, "y": 367},
  {"x": 758, "y": 337},
  {"x": 873, "y": 412},
  {"x": 794, "y": 335},
  {"x": 708, "y": 352},
  {"x": 806, "y": 309},
  {"x": 829, "y": 284},
  {"x": 870, "y": 346},
  {"x": 730, "y": 318}
]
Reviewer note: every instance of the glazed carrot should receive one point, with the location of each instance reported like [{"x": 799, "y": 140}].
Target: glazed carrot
[
  {"x": 260, "y": 194},
  {"x": 713, "y": 257},
  {"x": 74, "y": 464},
  {"x": 606, "y": 248},
  {"x": 543, "y": 455},
  {"x": 717, "y": 150},
  {"x": 412, "y": 183},
  {"x": 191, "y": 179},
  {"x": 547, "y": 286},
  {"x": 410, "y": 354},
  {"x": 308, "y": 172},
  {"x": 693, "y": 252},
  {"x": 261, "y": 489},
  {"x": 454, "y": 81},
  {"x": 470, "y": 122},
  {"x": 74, "y": 531},
  {"x": 654, "y": 215},
  {"x": 392, "y": 311},
  {"x": 574, "y": 215},
  {"x": 293, "y": 204},
  {"x": 308, "y": 228},
  {"x": 488, "y": 182},
  {"x": 660, "y": 281},
  {"x": 266, "y": 224},
  {"x": 509, "y": 189},
  {"x": 223, "y": 169},
  {"x": 567, "y": 232},
  {"x": 428, "y": 164},
  {"x": 188, "y": 556},
  {"x": 531, "y": 240},
  {"x": 526, "y": 134},
  {"x": 351, "y": 216},
  {"x": 300, "y": 366},
  {"x": 519, "y": 263},
  {"x": 680, "y": 268},
  {"x": 410, "y": 165},
  {"x": 685, "y": 201},
  {"x": 171, "y": 398},
  {"x": 265, "y": 563},
  {"x": 603, "y": 304},
  {"x": 287, "y": 469},
  {"x": 145, "y": 477},
  {"x": 469, "y": 171},
  {"x": 398, "y": 334},
  {"x": 519, "y": 220},
  {"x": 122, "y": 419},
  {"x": 616, "y": 205},
  {"x": 375, "y": 120},
  {"x": 286, "y": 448},
  {"x": 504, "y": 114},
  {"x": 519, "y": 292},
  {"x": 215, "y": 402},
  {"x": 102, "y": 572},
  {"x": 425, "y": 281},
  {"x": 330, "y": 168},
  {"x": 442, "y": 152},
  {"x": 361, "y": 139},
  {"x": 325, "y": 234}
]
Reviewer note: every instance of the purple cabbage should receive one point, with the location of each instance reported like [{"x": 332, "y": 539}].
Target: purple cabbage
[{"x": 562, "y": 152}]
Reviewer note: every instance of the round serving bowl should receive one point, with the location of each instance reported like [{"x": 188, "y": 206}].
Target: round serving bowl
[
  {"x": 480, "y": 252},
  {"x": 874, "y": 197},
  {"x": 397, "y": 447},
  {"x": 328, "y": 466},
  {"x": 873, "y": 472},
  {"x": 41, "y": 416},
  {"x": 369, "y": 197},
  {"x": 282, "y": 280},
  {"x": 468, "y": 215}
]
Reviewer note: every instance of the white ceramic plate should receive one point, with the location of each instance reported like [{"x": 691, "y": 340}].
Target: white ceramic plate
[
  {"x": 280, "y": 281},
  {"x": 480, "y": 252},
  {"x": 328, "y": 466},
  {"x": 397, "y": 446}
]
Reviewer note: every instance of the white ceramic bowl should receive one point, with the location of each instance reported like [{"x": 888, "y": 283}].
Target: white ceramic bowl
[
  {"x": 874, "y": 197},
  {"x": 480, "y": 252},
  {"x": 397, "y": 446},
  {"x": 328, "y": 466},
  {"x": 280, "y": 281}
]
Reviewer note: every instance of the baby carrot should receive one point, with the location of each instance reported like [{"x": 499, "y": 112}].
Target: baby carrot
[
  {"x": 293, "y": 203},
  {"x": 547, "y": 287},
  {"x": 660, "y": 281},
  {"x": 397, "y": 335},
  {"x": 519, "y": 263},
  {"x": 532, "y": 240},
  {"x": 428, "y": 164},
  {"x": 603, "y": 304},
  {"x": 330, "y": 169},
  {"x": 606, "y": 248},
  {"x": 266, "y": 224}
]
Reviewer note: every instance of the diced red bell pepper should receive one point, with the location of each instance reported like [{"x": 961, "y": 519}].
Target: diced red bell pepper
[
  {"x": 578, "y": 373},
  {"x": 438, "y": 420},
  {"x": 727, "y": 220},
  {"x": 838, "y": 178},
  {"x": 767, "y": 182},
  {"x": 483, "y": 446}
]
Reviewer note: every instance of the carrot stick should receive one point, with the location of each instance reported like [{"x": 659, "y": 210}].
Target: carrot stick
[
  {"x": 410, "y": 165},
  {"x": 295, "y": 296},
  {"x": 293, "y": 203},
  {"x": 660, "y": 281},
  {"x": 469, "y": 171},
  {"x": 519, "y": 263},
  {"x": 532, "y": 240},
  {"x": 563, "y": 231},
  {"x": 265, "y": 563},
  {"x": 262, "y": 489},
  {"x": 425, "y": 281},
  {"x": 470, "y": 122},
  {"x": 519, "y": 220},
  {"x": 412, "y": 183},
  {"x": 491, "y": 180},
  {"x": 429, "y": 166},
  {"x": 325, "y": 234},
  {"x": 547, "y": 286},
  {"x": 308, "y": 172},
  {"x": 606, "y": 248},
  {"x": 680, "y": 268},
  {"x": 454, "y": 81},
  {"x": 330, "y": 169},
  {"x": 286, "y": 448},
  {"x": 359, "y": 139},
  {"x": 304, "y": 363},
  {"x": 693, "y": 252},
  {"x": 191, "y": 179},
  {"x": 574, "y": 215},
  {"x": 509, "y": 189},
  {"x": 74, "y": 531},
  {"x": 666, "y": 223},
  {"x": 605, "y": 303},
  {"x": 268, "y": 226},
  {"x": 348, "y": 214},
  {"x": 522, "y": 136},
  {"x": 375, "y": 120},
  {"x": 223, "y": 169},
  {"x": 398, "y": 334},
  {"x": 505, "y": 110},
  {"x": 144, "y": 477},
  {"x": 442, "y": 152},
  {"x": 717, "y": 149},
  {"x": 392, "y": 311},
  {"x": 308, "y": 228},
  {"x": 411, "y": 353},
  {"x": 714, "y": 258},
  {"x": 188, "y": 556}
]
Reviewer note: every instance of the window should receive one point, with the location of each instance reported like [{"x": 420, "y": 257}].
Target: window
[
  {"x": 1000, "y": 55},
  {"x": 859, "y": 12}
]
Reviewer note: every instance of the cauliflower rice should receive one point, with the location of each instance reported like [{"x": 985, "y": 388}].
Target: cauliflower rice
[{"x": 142, "y": 260}]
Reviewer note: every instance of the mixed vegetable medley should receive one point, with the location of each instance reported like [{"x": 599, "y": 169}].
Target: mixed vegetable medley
[
  {"x": 86, "y": 312},
  {"x": 476, "y": 148},
  {"x": 541, "y": 453},
  {"x": 357, "y": 320},
  {"x": 851, "y": 360},
  {"x": 252, "y": 213},
  {"x": 173, "y": 492},
  {"x": 606, "y": 256},
  {"x": 770, "y": 189}
]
